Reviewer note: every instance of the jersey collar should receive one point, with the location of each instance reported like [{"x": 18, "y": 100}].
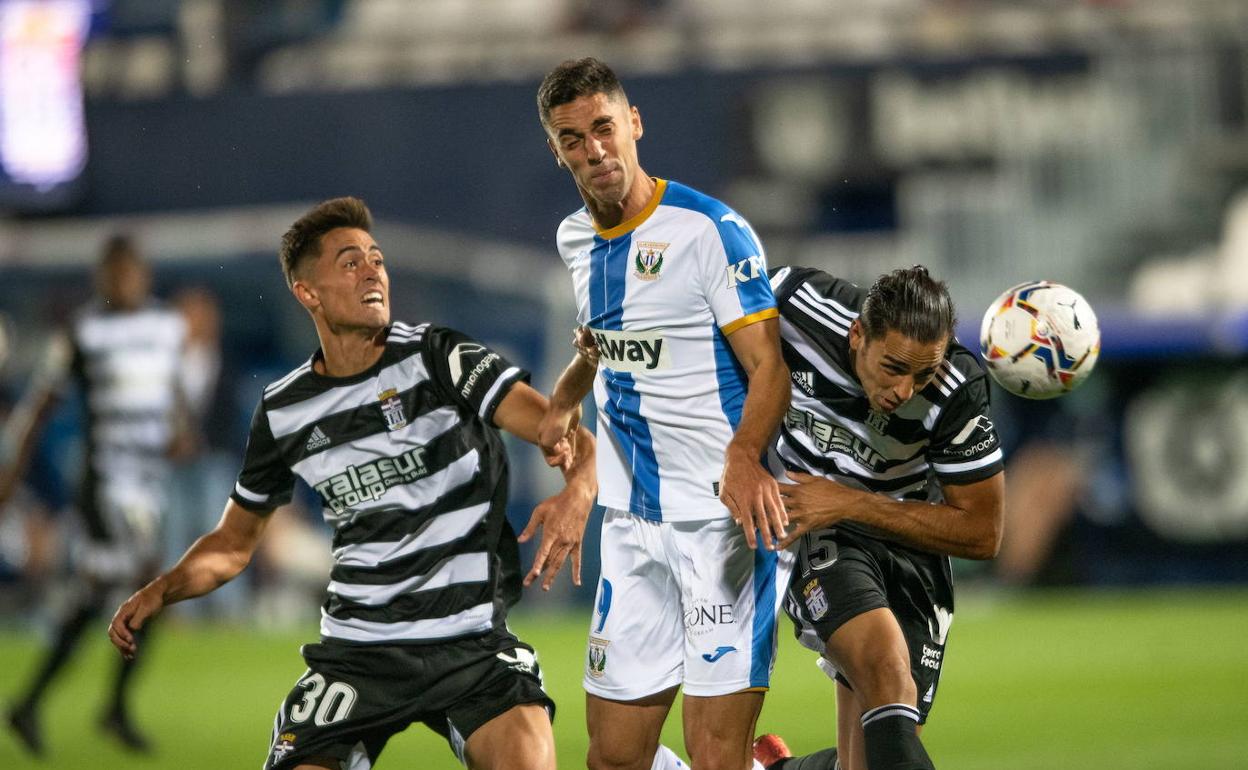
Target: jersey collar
[{"x": 660, "y": 186}]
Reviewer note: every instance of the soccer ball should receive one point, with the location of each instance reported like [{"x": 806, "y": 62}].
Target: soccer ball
[{"x": 1040, "y": 339}]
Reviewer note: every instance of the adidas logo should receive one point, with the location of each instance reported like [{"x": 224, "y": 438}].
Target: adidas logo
[
  {"x": 317, "y": 440},
  {"x": 805, "y": 381}
]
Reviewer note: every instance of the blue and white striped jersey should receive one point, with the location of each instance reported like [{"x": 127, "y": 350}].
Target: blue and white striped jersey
[{"x": 661, "y": 292}]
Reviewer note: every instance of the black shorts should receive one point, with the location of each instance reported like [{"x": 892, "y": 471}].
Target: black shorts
[
  {"x": 354, "y": 697},
  {"x": 841, "y": 574}
]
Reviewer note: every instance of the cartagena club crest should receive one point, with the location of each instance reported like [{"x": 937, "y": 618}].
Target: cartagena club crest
[
  {"x": 649, "y": 259},
  {"x": 392, "y": 409}
]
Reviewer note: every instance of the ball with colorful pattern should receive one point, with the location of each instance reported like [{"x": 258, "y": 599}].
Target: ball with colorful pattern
[{"x": 1040, "y": 339}]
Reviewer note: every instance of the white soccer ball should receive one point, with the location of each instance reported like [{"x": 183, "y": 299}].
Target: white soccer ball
[{"x": 1040, "y": 339}]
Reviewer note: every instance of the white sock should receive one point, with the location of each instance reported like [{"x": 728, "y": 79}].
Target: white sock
[{"x": 666, "y": 759}]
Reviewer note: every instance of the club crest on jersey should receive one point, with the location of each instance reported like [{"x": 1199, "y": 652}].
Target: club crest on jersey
[
  {"x": 877, "y": 421},
  {"x": 283, "y": 746},
  {"x": 392, "y": 409},
  {"x": 816, "y": 600},
  {"x": 649, "y": 259},
  {"x": 597, "y": 657}
]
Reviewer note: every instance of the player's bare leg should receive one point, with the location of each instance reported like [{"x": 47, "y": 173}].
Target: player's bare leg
[
  {"x": 623, "y": 735},
  {"x": 719, "y": 731},
  {"x": 870, "y": 650},
  {"x": 849, "y": 730},
  {"x": 518, "y": 739}
]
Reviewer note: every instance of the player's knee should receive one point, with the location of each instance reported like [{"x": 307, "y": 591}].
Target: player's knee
[
  {"x": 619, "y": 755},
  {"x": 715, "y": 755},
  {"x": 527, "y": 752},
  {"x": 538, "y": 756},
  {"x": 887, "y": 680}
]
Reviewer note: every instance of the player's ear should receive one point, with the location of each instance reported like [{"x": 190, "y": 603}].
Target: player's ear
[
  {"x": 306, "y": 294},
  {"x": 635, "y": 119},
  {"x": 856, "y": 335}
]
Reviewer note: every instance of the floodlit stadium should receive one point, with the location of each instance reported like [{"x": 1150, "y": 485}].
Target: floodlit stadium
[{"x": 152, "y": 154}]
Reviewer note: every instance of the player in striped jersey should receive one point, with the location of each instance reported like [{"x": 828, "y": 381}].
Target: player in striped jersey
[
  {"x": 120, "y": 355},
  {"x": 896, "y": 468},
  {"x": 676, "y": 315},
  {"x": 396, "y": 428}
]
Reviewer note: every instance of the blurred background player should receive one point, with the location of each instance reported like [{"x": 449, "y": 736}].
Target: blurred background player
[
  {"x": 121, "y": 354},
  {"x": 897, "y": 467},
  {"x": 671, "y": 286},
  {"x": 397, "y": 428}
]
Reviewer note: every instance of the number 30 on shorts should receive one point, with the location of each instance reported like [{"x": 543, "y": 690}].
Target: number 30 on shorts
[{"x": 336, "y": 701}]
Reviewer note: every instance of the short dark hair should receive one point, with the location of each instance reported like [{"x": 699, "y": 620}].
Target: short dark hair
[
  {"x": 573, "y": 79},
  {"x": 910, "y": 301},
  {"x": 303, "y": 240},
  {"x": 119, "y": 247}
]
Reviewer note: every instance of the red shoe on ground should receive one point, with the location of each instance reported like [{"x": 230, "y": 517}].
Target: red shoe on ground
[{"x": 770, "y": 749}]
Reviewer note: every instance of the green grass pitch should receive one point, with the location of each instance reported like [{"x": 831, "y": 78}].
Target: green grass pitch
[{"x": 1067, "y": 680}]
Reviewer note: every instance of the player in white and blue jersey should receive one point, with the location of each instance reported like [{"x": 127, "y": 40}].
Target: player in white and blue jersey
[{"x": 676, "y": 317}]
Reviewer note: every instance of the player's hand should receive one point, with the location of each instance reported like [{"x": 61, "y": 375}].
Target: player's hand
[
  {"x": 556, "y": 436},
  {"x": 562, "y": 520},
  {"x": 130, "y": 617},
  {"x": 753, "y": 498},
  {"x": 814, "y": 502},
  {"x": 585, "y": 344}
]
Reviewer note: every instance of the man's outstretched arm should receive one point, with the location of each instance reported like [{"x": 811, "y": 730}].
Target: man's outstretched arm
[
  {"x": 211, "y": 561},
  {"x": 577, "y": 380},
  {"x": 561, "y": 517}
]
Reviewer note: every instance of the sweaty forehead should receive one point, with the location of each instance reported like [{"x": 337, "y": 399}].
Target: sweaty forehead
[
  {"x": 584, "y": 111},
  {"x": 900, "y": 350}
]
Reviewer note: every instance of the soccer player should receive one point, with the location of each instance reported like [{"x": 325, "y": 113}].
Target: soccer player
[
  {"x": 677, "y": 316},
  {"x": 896, "y": 467},
  {"x": 121, "y": 355},
  {"x": 396, "y": 427}
]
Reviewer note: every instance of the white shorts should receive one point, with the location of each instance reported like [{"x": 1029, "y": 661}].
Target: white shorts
[{"x": 682, "y": 603}]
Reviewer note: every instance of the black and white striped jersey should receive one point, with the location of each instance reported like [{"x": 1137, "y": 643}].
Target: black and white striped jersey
[
  {"x": 412, "y": 476},
  {"x": 126, "y": 366},
  {"x": 944, "y": 434}
]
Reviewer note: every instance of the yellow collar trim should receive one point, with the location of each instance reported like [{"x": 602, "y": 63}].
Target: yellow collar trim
[{"x": 660, "y": 186}]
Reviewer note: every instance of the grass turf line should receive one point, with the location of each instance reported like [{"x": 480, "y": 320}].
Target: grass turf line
[{"x": 1077, "y": 680}]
